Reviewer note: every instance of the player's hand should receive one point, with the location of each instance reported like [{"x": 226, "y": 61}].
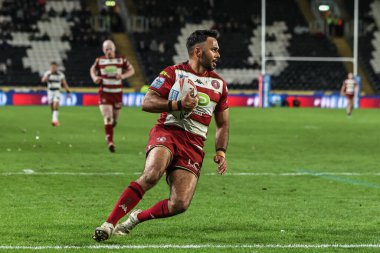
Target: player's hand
[
  {"x": 222, "y": 163},
  {"x": 118, "y": 77},
  {"x": 68, "y": 94},
  {"x": 189, "y": 102},
  {"x": 98, "y": 80}
]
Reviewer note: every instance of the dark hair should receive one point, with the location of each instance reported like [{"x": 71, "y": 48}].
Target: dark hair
[
  {"x": 199, "y": 36},
  {"x": 53, "y": 63}
]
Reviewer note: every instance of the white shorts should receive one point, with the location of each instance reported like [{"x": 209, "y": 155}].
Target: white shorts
[{"x": 53, "y": 96}]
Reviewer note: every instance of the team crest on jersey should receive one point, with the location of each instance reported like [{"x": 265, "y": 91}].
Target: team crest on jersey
[
  {"x": 215, "y": 84},
  {"x": 158, "y": 82}
]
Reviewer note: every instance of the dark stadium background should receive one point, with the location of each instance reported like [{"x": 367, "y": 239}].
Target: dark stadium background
[{"x": 149, "y": 33}]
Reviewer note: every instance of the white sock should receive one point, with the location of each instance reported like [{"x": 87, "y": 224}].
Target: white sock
[{"x": 55, "y": 116}]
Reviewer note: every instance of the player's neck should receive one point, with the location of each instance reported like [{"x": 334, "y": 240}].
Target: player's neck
[{"x": 196, "y": 67}]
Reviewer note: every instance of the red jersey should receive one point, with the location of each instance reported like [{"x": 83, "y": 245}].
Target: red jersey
[
  {"x": 212, "y": 92},
  {"x": 349, "y": 86},
  {"x": 108, "y": 69}
]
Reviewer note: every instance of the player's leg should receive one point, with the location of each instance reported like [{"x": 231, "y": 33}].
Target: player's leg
[
  {"x": 107, "y": 114},
  {"x": 182, "y": 187},
  {"x": 157, "y": 161},
  {"x": 55, "y": 97},
  {"x": 349, "y": 106},
  {"x": 116, "y": 113}
]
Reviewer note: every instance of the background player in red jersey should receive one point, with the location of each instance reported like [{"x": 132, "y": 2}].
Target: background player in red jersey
[
  {"x": 176, "y": 146},
  {"x": 108, "y": 71},
  {"x": 55, "y": 79},
  {"x": 348, "y": 89}
]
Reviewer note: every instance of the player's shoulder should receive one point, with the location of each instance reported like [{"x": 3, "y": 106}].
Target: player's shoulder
[
  {"x": 169, "y": 71},
  {"x": 60, "y": 73}
]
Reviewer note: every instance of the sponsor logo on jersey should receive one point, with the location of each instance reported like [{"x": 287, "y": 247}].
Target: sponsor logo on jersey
[
  {"x": 164, "y": 73},
  {"x": 158, "y": 82},
  {"x": 199, "y": 82},
  {"x": 182, "y": 76},
  {"x": 204, "y": 99},
  {"x": 215, "y": 84},
  {"x": 173, "y": 95},
  {"x": 110, "y": 70}
]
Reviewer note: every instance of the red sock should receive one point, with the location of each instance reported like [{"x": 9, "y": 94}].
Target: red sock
[
  {"x": 127, "y": 201},
  {"x": 109, "y": 132},
  {"x": 159, "y": 210}
]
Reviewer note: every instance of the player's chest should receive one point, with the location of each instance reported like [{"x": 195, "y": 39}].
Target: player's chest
[{"x": 54, "y": 78}]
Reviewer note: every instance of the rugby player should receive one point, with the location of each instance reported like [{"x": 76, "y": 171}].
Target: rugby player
[
  {"x": 54, "y": 79},
  {"x": 108, "y": 71},
  {"x": 175, "y": 147},
  {"x": 348, "y": 89}
]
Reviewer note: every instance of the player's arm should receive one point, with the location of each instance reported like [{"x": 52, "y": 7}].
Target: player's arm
[
  {"x": 128, "y": 72},
  {"x": 95, "y": 78},
  {"x": 65, "y": 86},
  {"x": 222, "y": 120},
  {"x": 45, "y": 77},
  {"x": 342, "y": 89},
  {"x": 153, "y": 102}
]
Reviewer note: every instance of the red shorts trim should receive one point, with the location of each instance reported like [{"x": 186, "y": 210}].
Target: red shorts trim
[
  {"x": 349, "y": 96},
  {"x": 114, "y": 99},
  {"x": 186, "y": 154}
]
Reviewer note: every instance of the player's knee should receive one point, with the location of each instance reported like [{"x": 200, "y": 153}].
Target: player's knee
[
  {"x": 149, "y": 180},
  {"x": 179, "y": 205},
  {"x": 108, "y": 120}
]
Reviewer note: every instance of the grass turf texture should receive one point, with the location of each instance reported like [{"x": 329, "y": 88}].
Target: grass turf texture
[{"x": 59, "y": 210}]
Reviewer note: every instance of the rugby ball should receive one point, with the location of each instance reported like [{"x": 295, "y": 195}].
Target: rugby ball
[{"x": 180, "y": 88}]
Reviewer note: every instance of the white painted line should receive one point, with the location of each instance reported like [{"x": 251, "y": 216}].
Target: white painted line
[
  {"x": 292, "y": 174},
  {"x": 257, "y": 174},
  {"x": 199, "y": 246}
]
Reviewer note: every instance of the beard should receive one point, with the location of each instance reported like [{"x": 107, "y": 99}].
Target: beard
[{"x": 206, "y": 63}]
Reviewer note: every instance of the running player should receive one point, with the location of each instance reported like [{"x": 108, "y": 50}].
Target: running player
[
  {"x": 54, "y": 79},
  {"x": 108, "y": 71},
  {"x": 175, "y": 147},
  {"x": 348, "y": 89}
]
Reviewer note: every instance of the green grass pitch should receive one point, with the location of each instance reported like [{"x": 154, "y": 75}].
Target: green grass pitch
[{"x": 276, "y": 197}]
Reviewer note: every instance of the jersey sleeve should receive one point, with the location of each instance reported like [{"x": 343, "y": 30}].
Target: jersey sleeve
[
  {"x": 223, "y": 102},
  {"x": 164, "y": 82}
]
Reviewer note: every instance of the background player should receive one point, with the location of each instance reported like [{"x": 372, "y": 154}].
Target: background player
[
  {"x": 348, "y": 89},
  {"x": 176, "y": 146},
  {"x": 108, "y": 71},
  {"x": 54, "y": 79}
]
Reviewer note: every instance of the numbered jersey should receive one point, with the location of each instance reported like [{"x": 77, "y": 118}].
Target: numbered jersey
[
  {"x": 54, "y": 80},
  {"x": 212, "y": 92},
  {"x": 108, "y": 69}
]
